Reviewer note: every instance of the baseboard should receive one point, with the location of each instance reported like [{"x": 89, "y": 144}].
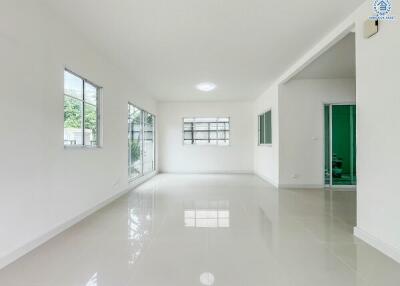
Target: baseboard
[
  {"x": 299, "y": 186},
  {"x": 392, "y": 252},
  {"x": 343, "y": 188},
  {"x": 228, "y": 172},
  {"x": 25, "y": 249},
  {"x": 266, "y": 179},
  {"x": 318, "y": 187}
]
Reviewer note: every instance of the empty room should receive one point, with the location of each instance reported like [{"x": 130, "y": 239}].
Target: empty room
[{"x": 199, "y": 142}]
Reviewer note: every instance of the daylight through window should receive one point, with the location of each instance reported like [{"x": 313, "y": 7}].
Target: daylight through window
[
  {"x": 81, "y": 111},
  {"x": 141, "y": 142},
  {"x": 206, "y": 131},
  {"x": 265, "y": 128}
]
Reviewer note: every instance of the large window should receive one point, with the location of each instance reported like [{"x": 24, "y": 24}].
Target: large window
[
  {"x": 81, "y": 111},
  {"x": 206, "y": 131},
  {"x": 265, "y": 128},
  {"x": 148, "y": 142},
  {"x": 141, "y": 143}
]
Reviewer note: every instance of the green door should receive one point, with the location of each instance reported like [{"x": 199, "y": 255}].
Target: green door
[{"x": 340, "y": 143}]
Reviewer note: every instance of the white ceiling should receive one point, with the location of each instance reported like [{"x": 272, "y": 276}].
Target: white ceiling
[
  {"x": 337, "y": 62},
  {"x": 169, "y": 46}
]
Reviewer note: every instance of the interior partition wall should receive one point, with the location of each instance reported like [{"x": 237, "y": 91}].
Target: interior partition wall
[
  {"x": 340, "y": 145},
  {"x": 141, "y": 142}
]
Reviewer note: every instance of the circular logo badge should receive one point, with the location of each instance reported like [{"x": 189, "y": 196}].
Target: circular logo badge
[{"x": 382, "y": 7}]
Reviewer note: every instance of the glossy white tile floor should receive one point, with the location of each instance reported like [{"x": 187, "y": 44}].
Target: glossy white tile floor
[{"x": 222, "y": 230}]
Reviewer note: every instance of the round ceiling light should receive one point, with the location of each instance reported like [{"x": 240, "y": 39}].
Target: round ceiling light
[
  {"x": 207, "y": 279},
  {"x": 206, "y": 86}
]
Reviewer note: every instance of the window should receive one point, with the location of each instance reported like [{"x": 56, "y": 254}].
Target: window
[
  {"x": 148, "y": 142},
  {"x": 141, "y": 143},
  {"x": 81, "y": 111},
  {"x": 206, "y": 131},
  {"x": 265, "y": 128}
]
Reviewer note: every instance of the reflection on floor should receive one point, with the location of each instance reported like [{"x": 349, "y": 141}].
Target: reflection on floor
[
  {"x": 207, "y": 214},
  {"x": 210, "y": 230}
]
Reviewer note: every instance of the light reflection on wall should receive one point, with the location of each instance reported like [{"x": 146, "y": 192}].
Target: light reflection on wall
[
  {"x": 207, "y": 214},
  {"x": 140, "y": 223}
]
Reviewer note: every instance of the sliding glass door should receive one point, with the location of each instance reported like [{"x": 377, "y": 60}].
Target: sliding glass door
[
  {"x": 141, "y": 144},
  {"x": 340, "y": 145},
  {"x": 148, "y": 142},
  {"x": 327, "y": 131},
  {"x": 135, "y": 143}
]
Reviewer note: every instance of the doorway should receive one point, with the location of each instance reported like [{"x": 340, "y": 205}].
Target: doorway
[{"x": 340, "y": 145}]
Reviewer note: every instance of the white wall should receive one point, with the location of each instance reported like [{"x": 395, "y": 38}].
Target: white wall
[
  {"x": 378, "y": 100},
  {"x": 301, "y": 124},
  {"x": 42, "y": 186},
  {"x": 266, "y": 157},
  {"x": 178, "y": 158}
]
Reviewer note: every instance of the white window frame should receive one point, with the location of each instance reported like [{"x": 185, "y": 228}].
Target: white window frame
[
  {"x": 259, "y": 129},
  {"x": 142, "y": 111},
  {"x": 99, "y": 105},
  {"x": 209, "y": 144}
]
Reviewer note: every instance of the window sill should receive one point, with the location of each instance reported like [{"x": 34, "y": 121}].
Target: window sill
[
  {"x": 264, "y": 145},
  {"x": 209, "y": 145},
  {"x": 66, "y": 147}
]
